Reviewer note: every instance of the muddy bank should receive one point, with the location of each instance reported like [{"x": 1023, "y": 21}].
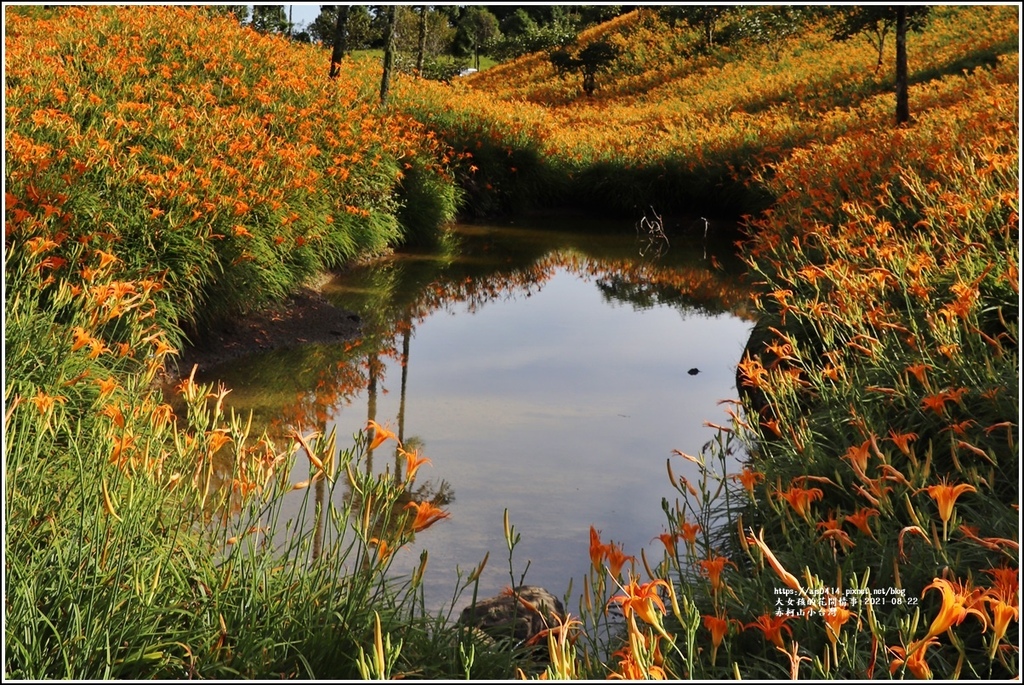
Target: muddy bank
[{"x": 304, "y": 317}]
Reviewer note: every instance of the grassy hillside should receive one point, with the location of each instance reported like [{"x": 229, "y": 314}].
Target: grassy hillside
[
  {"x": 677, "y": 129},
  {"x": 203, "y": 154}
]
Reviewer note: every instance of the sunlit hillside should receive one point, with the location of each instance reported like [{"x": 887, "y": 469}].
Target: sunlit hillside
[{"x": 668, "y": 120}]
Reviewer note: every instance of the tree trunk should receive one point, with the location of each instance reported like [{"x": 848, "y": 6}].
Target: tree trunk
[
  {"x": 423, "y": 40},
  {"x": 340, "y": 40},
  {"x": 389, "y": 55},
  {"x": 902, "y": 86},
  {"x": 879, "y": 42}
]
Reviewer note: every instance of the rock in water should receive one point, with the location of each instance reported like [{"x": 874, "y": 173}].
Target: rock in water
[{"x": 520, "y": 614}]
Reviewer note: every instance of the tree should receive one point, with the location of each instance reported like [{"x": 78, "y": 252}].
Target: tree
[
  {"x": 389, "y": 53},
  {"x": 323, "y": 27},
  {"x": 421, "y": 43},
  {"x": 706, "y": 18},
  {"x": 361, "y": 33},
  {"x": 338, "y": 48},
  {"x": 772, "y": 26},
  {"x": 519, "y": 23},
  {"x": 590, "y": 61},
  {"x": 480, "y": 27},
  {"x": 358, "y": 33},
  {"x": 270, "y": 19},
  {"x": 876, "y": 22},
  {"x": 522, "y": 34}
]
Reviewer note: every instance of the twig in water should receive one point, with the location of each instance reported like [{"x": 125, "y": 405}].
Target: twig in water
[{"x": 651, "y": 234}]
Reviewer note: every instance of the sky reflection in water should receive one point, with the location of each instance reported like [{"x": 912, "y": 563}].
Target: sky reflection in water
[{"x": 550, "y": 399}]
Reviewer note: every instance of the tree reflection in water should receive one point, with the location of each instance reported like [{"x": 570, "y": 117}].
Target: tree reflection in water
[{"x": 307, "y": 388}]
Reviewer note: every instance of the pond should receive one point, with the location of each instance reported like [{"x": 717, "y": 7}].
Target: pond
[{"x": 548, "y": 369}]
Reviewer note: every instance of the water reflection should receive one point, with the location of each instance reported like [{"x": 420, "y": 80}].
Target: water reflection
[{"x": 544, "y": 370}]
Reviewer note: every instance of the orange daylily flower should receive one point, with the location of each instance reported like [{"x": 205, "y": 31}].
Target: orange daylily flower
[
  {"x": 96, "y": 348},
  {"x": 913, "y": 658},
  {"x": 772, "y": 627},
  {"x": 113, "y": 412},
  {"x": 713, "y": 568},
  {"x": 121, "y": 445},
  {"x": 860, "y": 518},
  {"x": 1007, "y": 583},
  {"x": 379, "y": 434},
  {"x": 919, "y": 371},
  {"x": 669, "y": 540},
  {"x": 162, "y": 349},
  {"x": 105, "y": 258},
  {"x": 834, "y": 531},
  {"x": 831, "y": 523},
  {"x": 836, "y": 615},
  {"x": 688, "y": 531},
  {"x": 413, "y": 461},
  {"x": 801, "y": 498},
  {"x": 937, "y": 402},
  {"x": 773, "y": 426},
  {"x": 718, "y": 627},
  {"x": 384, "y": 550},
  {"x": 44, "y": 402},
  {"x": 1002, "y": 613},
  {"x": 82, "y": 338},
  {"x": 858, "y": 457},
  {"x": 426, "y": 515},
  {"x": 754, "y": 374},
  {"x": 642, "y": 600},
  {"x": 958, "y": 600},
  {"x": 616, "y": 559},
  {"x": 564, "y": 631},
  {"x": 630, "y": 669},
  {"x": 749, "y": 479},
  {"x": 217, "y": 439},
  {"x": 106, "y": 386},
  {"x": 611, "y": 552},
  {"x": 902, "y": 440},
  {"x": 945, "y": 496}
]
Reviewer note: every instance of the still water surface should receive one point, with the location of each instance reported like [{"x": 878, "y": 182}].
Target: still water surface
[{"x": 547, "y": 369}]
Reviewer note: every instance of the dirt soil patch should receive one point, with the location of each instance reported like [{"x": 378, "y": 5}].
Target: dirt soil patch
[{"x": 303, "y": 318}]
